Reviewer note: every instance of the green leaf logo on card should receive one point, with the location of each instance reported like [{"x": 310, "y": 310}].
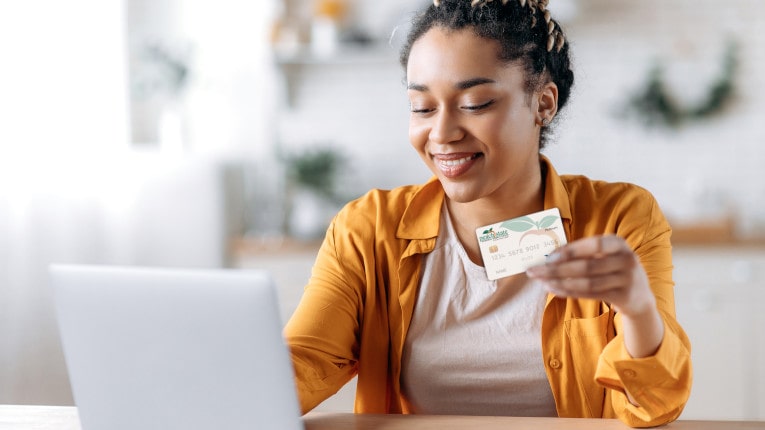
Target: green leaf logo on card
[
  {"x": 520, "y": 225},
  {"x": 530, "y": 227}
]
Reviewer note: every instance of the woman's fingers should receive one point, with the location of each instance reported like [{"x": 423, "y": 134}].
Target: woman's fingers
[
  {"x": 600, "y": 265},
  {"x": 588, "y": 287},
  {"x": 601, "y": 268},
  {"x": 589, "y": 247}
]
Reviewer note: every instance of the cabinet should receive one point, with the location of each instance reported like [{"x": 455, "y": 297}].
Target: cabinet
[{"x": 718, "y": 293}]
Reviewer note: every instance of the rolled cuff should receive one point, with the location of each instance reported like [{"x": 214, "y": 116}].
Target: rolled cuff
[{"x": 660, "y": 384}]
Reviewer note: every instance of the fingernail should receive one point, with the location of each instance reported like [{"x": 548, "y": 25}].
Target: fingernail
[{"x": 554, "y": 257}]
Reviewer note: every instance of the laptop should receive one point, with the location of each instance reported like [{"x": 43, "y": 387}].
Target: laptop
[{"x": 172, "y": 349}]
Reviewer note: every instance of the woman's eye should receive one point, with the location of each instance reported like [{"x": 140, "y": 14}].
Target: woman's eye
[
  {"x": 416, "y": 109},
  {"x": 478, "y": 107}
]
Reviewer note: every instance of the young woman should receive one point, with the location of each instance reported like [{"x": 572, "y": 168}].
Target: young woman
[{"x": 400, "y": 294}]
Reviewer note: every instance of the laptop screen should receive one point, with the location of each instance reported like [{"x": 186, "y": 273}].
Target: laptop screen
[{"x": 174, "y": 348}]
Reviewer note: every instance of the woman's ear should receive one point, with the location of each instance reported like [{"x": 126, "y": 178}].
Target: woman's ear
[{"x": 547, "y": 103}]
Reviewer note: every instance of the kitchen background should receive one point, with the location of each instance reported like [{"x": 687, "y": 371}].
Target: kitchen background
[{"x": 225, "y": 134}]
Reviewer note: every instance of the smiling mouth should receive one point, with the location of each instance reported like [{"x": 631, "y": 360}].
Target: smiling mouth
[
  {"x": 459, "y": 161},
  {"x": 454, "y": 167}
]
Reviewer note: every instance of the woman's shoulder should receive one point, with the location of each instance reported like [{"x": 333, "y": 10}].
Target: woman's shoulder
[
  {"x": 584, "y": 190},
  {"x": 403, "y": 193},
  {"x": 388, "y": 205},
  {"x": 622, "y": 208},
  {"x": 393, "y": 200}
]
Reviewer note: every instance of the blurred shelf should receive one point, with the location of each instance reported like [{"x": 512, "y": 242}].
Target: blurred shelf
[
  {"x": 293, "y": 63},
  {"x": 701, "y": 235},
  {"x": 713, "y": 232},
  {"x": 346, "y": 54},
  {"x": 244, "y": 247}
]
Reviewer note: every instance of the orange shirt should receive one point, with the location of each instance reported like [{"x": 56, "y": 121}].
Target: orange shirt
[{"x": 355, "y": 311}]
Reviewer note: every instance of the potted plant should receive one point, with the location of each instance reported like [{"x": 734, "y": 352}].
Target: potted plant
[{"x": 311, "y": 194}]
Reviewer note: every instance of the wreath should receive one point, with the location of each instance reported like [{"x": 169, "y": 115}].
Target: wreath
[{"x": 656, "y": 106}]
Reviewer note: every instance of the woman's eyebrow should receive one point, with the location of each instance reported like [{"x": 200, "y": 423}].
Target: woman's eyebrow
[
  {"x": 462, "y": 85},
  {"x": 417, "y": 87},
  {"x": 470, "y": 83}
]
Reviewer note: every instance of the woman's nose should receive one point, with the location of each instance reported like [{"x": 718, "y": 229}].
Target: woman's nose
[{"x": 445, "y": 128}]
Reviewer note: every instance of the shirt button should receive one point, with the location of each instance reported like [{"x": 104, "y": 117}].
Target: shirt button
[
  {"x": 629, "y": 373},
  {"x": 555, "y": 363}
]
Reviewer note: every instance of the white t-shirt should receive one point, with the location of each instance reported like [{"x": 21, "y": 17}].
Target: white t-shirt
[{"x": 473, "y": 348}]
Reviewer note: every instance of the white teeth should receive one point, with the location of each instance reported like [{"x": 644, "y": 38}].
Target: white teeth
[{"x": 451, "y": 163}]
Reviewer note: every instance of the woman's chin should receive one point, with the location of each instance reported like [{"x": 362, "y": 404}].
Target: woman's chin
[{"x": 460, "y": 193}]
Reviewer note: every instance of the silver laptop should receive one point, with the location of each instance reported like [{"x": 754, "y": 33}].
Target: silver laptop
[{"x": 174, "y": 349}]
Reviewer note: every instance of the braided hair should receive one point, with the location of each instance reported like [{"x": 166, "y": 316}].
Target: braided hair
[{"x": 524, "y": 29}]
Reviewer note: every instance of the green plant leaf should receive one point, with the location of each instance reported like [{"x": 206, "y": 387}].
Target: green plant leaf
[
  {"x": 519, "y": 225},
  {"x": 526, "y": 219},
  {"x": 316, "y": 169},
  {"x": 656, "y": 106},
  {"x": 547, "y": 221}
]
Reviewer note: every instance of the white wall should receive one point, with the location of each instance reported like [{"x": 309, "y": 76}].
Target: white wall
[
  {"x": 71, "y": 190},
  {"x": 63, "y": 103},
  {"x": 702, "y": 169},
  {"x": 227, "y": 103}
]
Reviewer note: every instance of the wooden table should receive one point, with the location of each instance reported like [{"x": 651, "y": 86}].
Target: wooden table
[
  {"x": 65, "y": 418},
  {"x": 322, "y": 421}
]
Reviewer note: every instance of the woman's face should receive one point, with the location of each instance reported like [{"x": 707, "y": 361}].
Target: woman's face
[{"x": 472, "y": 120}]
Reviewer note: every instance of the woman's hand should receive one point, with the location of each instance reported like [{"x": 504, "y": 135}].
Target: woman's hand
[
  {"x": 605, "y": 268},
  {"x": 599, "y": 267}
]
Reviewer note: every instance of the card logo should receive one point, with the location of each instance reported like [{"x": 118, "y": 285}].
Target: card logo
[
  {"x": 529, "y": 227},
  {"x": 491, "y": 235}
]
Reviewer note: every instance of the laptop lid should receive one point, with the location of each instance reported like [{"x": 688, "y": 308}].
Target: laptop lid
[{"x": 150, "y": 348}]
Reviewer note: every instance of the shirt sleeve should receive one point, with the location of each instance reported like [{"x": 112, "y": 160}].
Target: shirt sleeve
[
  {"x": 322, "y": 333},
  {"x": 660, "y": 384}
]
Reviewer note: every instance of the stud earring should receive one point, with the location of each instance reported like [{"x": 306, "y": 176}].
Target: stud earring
[{"x": 545, "y": 122}]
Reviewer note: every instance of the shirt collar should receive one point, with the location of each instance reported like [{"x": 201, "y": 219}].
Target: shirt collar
[
  {"x": 421, "y": 216},
  {"x": 556, "y": 194}
]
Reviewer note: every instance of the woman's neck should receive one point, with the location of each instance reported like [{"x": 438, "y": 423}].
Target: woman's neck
[{"x": 468, "y": 216}]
